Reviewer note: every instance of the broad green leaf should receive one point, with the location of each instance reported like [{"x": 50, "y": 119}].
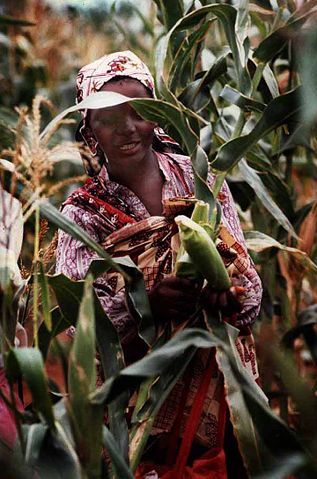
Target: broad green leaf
[
  {"x": 233, "y": 96},
  {"x": 197, "y": 95},
  {"x": 184, "y": 59},
  {"x": 69, "y": 294},
  {"x": 83, "y": 375},
  {"x": 279, "y": 191},
  {"x": 121, "y": 469},
  {"x": 257, "y": 241},
  {"x": 34, "y": 440},
  {"x": 277, "y": 40},
  {"x": 169, "y": 12},
  {"x": 49, "y": 454},
  {"x": 59, "y": 324},
  {"x": 227, "y": 15},
  {"x": 240, "y": 417},
  {"x": 29, "y": 363},
  {"x": 277, "y": 113},
  {"x": 300, "y": 392},
  {"x": 155, "y": 363},
  {"x": 153, "y": 393},
  {"x": 254, "y": 180},
  {"x": 270, "y": 80},
  {"x": 45, "y": 297},
  {"x": 86, "y": 419},
  {"x": 274, "y": 443},
  {"x": 112, "y": 360},
  {"x": 59, "y": 220}
]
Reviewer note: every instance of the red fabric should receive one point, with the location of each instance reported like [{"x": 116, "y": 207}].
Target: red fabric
[
  {"x": 8, "y": 430},
  {"x": 212, "y": 464},
  {"x": 209, "y": 466}
]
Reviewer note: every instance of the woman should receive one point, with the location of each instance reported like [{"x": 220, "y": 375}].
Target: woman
[{"x": 128, "y": 206}]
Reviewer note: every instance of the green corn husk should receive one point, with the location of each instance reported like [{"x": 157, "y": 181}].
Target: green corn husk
[
  {"x": 184, "y": 266},
  {"x": 203, "y": 253}
]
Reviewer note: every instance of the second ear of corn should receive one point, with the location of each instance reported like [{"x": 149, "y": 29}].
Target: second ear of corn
[{"x": 198, "y": 256}]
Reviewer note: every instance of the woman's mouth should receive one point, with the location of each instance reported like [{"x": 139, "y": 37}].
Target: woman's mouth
[{"x": 128, "y": 146}]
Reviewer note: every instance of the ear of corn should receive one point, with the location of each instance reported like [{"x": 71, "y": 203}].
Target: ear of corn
[
  {"x": 184, "y": 267},
  {"x": 203, "y": 253}
]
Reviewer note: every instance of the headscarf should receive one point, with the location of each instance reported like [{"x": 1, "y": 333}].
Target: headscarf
[{"x": 91, "y": 79}]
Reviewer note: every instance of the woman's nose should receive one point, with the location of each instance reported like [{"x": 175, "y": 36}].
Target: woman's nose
[{"x": 127, "y": 125}]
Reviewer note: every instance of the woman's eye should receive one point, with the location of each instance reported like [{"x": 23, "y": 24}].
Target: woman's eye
[
  {"x": 105, "y": 121},
  {"x": 137, "y": 117}
]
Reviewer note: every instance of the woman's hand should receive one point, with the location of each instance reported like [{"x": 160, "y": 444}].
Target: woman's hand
[
  {"x": 173, "y": 299},
  {"x": 227, "y": 302}
]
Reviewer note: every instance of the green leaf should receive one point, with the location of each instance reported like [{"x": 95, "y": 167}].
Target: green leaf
[
  {"x": 240, "y": 417},
  {"x": 234, "y": 97},
  {"x": 155, "y": 363},
  {"x": 257, "y": 241},
  {"x": 227, "y": 15},
  {"x": 121, "y": 469},
  {"x": 277, "y": 113},
  {"x": 34, "y": 440},
  {"x": 169, "y": 12},
  {"x": 83, "y": 350},
  {"x": 279, "y": 191},
  {"x": 59, "y": 220},
  {"x": 152, "y": 394},
  {"x": 197, "y": 95},
  {"x": 276, "y": 41},
  {"x": 59, "y": 324},
  {"x": 86, "y": 418},
  {"x": 29, "y": 363},
  {"x": 69, "y": 294},
  {"x": 112, "y": 360},
  {"x": 49, "y": 454},
  {"x": 136, "y": 295},
  {"x": 270, "y": 80},
  {"x": 45, "y": 297},
  {"x": 274, "y": 443},
  {"x": 254, "y": 180},
  {"x": 184, "y": 60}
]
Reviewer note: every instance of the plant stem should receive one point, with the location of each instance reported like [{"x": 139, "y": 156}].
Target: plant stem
[
  {"x": 35, "y": 278},
  {"x": 239, "y": 125},
  {"x": 257, "y": 77}
]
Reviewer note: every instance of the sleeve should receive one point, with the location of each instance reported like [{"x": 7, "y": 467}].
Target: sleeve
[
  {"x": 73, "y": 259},
  {"x": 249, "y": 279}
]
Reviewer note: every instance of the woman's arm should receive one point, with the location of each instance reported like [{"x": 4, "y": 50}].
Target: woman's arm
[{"x": 73, "y": 260}]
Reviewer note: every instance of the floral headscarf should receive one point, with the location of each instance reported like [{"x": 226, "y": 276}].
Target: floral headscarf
[{"x": 91, "y": 79}]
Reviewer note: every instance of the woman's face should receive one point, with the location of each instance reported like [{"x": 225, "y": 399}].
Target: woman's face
[{"x": 121, "y": 133}]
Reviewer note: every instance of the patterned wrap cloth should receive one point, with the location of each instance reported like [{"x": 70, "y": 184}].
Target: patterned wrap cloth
[{"x": 117, "y": 219}]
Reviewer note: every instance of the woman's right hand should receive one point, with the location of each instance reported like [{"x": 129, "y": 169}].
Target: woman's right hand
[{"x": 173, "y": 299}]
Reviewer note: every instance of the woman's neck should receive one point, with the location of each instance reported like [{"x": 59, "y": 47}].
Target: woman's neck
[{"x": 132, "y": 174}]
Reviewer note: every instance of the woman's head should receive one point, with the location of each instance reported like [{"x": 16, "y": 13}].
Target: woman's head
[
  {"x": 123, "y": 136},
  {"x": 125, "y": 73}
]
